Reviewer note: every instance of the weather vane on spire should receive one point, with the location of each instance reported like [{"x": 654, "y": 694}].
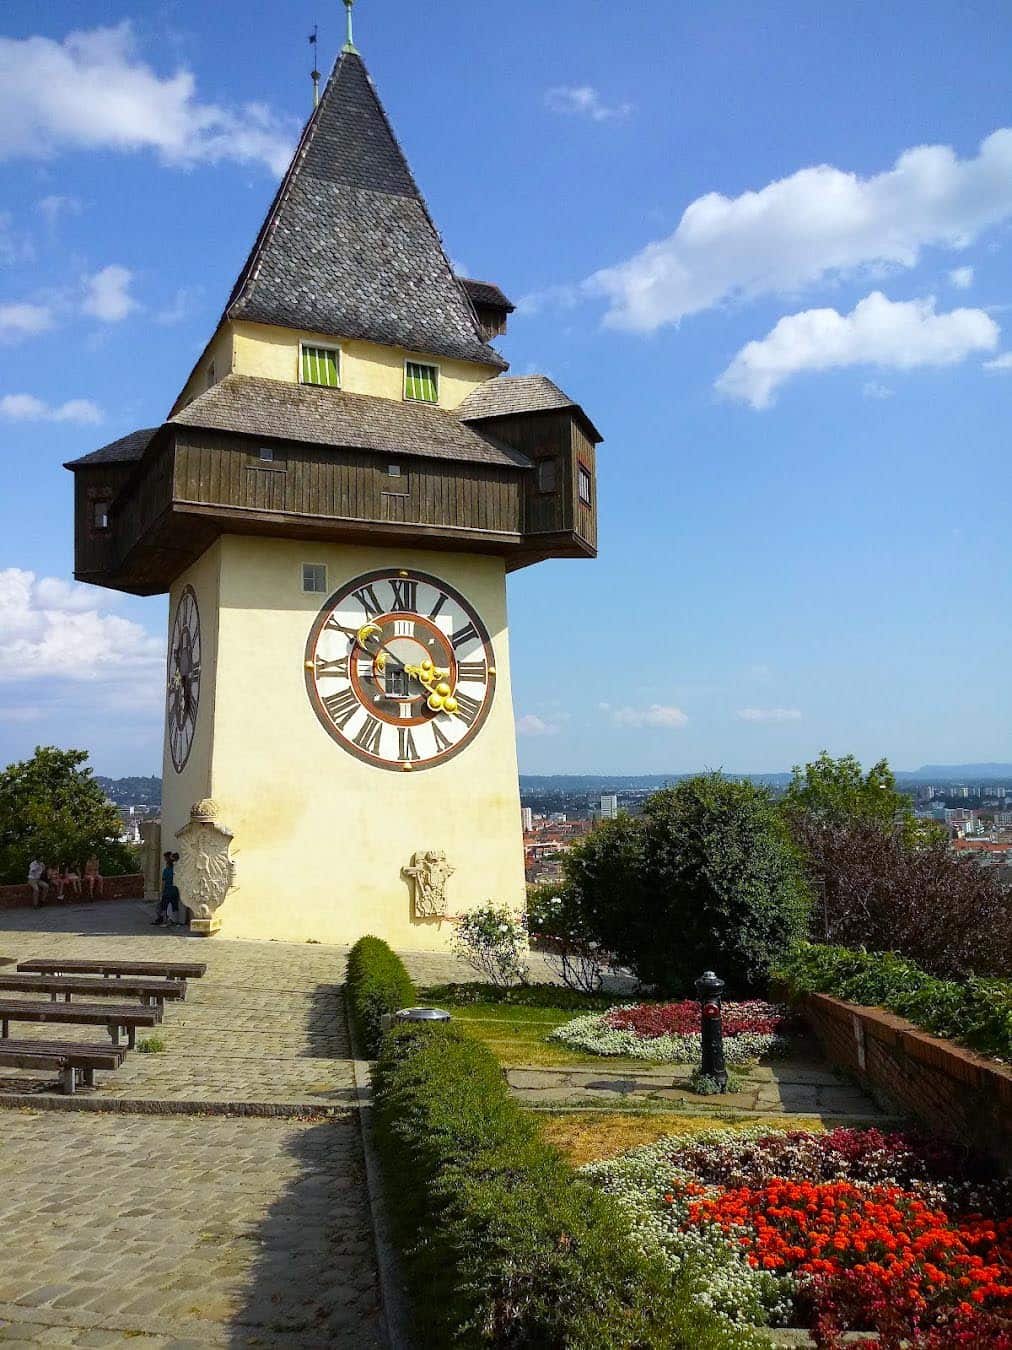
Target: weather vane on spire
[
  {"x": 349, "y": 45},
  {"x": 314, "y": 42}
]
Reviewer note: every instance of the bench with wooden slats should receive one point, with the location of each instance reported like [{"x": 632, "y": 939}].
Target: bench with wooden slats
[
  {"x": 68, "y": 985},
  {"x": 114, "y": 1016},
  {"x": 170, "y": 970},
  {"x": 71, "y": 1060}
]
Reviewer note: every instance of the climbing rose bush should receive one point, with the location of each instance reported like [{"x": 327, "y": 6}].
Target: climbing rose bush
[
  {"x": 671, "y": 1033},
  {"x": 887, "y": 1232}
]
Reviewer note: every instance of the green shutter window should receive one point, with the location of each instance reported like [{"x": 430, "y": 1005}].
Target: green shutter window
[
  {"x": 319, "y": 366},
  {"x": 421, "y": 382}
]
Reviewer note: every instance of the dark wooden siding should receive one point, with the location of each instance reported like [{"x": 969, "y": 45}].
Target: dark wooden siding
[
  {"x": 585, "y": 517},
  {"x": 213, "y": 469}
]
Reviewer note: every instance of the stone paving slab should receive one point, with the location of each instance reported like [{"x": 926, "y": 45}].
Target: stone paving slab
[{"x": 790, "y": 1088}]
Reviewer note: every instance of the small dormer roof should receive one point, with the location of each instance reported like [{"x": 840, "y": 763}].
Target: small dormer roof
[
  {"x": 508, "y": 395},
  {"x": 348, "y": 246}
]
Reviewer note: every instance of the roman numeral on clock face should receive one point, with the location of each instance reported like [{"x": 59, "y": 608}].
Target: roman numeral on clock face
[
  {"x": 437, "y": 607},
  {"x": 404, "y": 628},
  {"x": 367, "y": 598},
  {"x": 405, "y": 594},
  {"x": 341, "y": 708},
  {"x": 472, "y": 670},
  {"x": 463, "y": 635},
  {"x": 467, "y": 708},
  {"x": 443, "y": 742},
  {"x": 335, "y": 667},
  {"x": 406, "y": 748},
  {"x": 368, "y": 737}
]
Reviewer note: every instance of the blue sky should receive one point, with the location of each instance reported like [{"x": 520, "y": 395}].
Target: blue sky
[{"x": 788, "y": 317}]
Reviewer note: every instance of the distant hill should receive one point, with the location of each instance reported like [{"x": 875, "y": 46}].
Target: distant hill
[
  {"x": 949, "y": 772},
  {"x": 132, "y": 791}
]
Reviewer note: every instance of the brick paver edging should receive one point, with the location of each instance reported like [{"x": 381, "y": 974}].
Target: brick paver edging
[{"x": 953, "y": 1090}]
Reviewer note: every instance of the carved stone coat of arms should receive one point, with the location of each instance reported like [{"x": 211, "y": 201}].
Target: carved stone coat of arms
[
  {"x": 206, "y": 871},
  {"x": 429, "y": 872}
]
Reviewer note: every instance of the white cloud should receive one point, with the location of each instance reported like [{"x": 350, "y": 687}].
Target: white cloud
[
  {"x": 878, "y": 332},
  {"x": 107, "y": 294},
  {"x": 1003, "y": 362},
  {"x": 532, "y": 725},
  {"x": 92, "y": 91},
  {"x": 819, "y": 222},
  {"x": 875, "y": 389},
  {"x": 180, "y": 307},
  {"x": 28, "y": 408},
  {"x": 768, "y": 715},
  {"x": 54, "y": 207},
  {"x": 54, "y": 629},
  {"x": 583, "y": 100},
  {"x": 961, "y": 278},
  {"x": 657, "y": 715},
  {"x": 23, "y": 320}
]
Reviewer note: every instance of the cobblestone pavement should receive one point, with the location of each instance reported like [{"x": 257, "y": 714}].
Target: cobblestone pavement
[{"x": 192, "y": 1230}]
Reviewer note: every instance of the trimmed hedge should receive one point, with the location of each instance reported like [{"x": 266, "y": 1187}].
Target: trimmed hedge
[
  {"x": 976, "y": 1012},
  {"x": 505, "y": 1246},
  {"x": 376, "y": 983}
]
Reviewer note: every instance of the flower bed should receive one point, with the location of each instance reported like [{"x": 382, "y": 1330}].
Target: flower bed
[
  {"x": 854, "y": 1229},
  {"x": 670, "y": 1033}
]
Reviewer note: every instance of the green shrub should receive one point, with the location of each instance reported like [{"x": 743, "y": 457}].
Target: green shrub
[
  {"x": 705, "y": 879},
  {"x": 976, "y": 1012},
  {"x": 504, "y": 1245},
  {"x": 376, "y": 983},
  {"x": 552, "y": 996}
]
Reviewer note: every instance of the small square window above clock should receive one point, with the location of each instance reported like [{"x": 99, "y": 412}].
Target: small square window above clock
[
  {"x": 314, "y": 578},
  {"x": 546, "y": 475},
  {"x": 421, "y": 383},
  {"x": 321, "y": 365},
  {"x": 100, "y": 513}
]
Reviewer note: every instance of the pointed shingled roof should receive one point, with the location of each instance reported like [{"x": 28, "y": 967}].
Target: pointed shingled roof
[{"x": 348, "y": 246}]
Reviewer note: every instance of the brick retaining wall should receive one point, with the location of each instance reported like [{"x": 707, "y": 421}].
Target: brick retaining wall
[
  {"x": 955, "y": 1092},
  {"x": 114, "y": 888}
]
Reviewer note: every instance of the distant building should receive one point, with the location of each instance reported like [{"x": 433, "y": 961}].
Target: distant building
[
  {"x": 609, "y": 806},
  {"x": 527, "y": 819}
]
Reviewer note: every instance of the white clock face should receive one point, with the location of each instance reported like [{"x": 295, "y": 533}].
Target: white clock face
[
  {"x": 183, "y": 692},
  {"x": 400, "y": 669}
]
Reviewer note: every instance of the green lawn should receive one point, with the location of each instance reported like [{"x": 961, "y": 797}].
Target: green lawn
[{"x": 516, "y": 1032}]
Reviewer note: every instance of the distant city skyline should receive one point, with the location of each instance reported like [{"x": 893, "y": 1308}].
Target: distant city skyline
[{"x": 803, "y": 510}]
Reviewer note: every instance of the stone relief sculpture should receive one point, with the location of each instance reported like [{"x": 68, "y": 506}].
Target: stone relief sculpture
[
  {"x": 429, "y": 871},
  {"x": 206, "y": 871}
]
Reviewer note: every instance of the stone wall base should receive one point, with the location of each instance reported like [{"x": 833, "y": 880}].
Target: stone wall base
[
  {"x": 129, "y": 887},
  {"x": 954, "y": 1092}
]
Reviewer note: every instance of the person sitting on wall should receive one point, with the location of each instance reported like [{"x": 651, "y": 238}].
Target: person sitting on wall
[
  {"x": 37, "y": 881},
  {"x": 53, "y": 877},
  {"x": 69, "y": 878},
  {"x": 93, "y": 878},
  {"x": 170, "y": 893}
]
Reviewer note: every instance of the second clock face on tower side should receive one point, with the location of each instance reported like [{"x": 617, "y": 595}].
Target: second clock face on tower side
[
  {"x": 183, "y": 692},
  {"x": 400, "y": 669}
]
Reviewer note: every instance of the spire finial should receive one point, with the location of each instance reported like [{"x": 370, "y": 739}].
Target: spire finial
[
  {"x": 349, "y": 45},
  {"x": 314, "y": 41}
]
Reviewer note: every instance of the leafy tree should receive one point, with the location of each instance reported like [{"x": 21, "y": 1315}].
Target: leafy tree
[
  {"x": 705, "y": 878},
  {"x": 835, "y": 791},
  {"x": 52, "y": 808},
  {"x": 926, "y": 902}
]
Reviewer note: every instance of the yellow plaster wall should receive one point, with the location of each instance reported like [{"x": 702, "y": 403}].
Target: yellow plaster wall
[
  {"x": 366, "y": 367},
  {"x": 181, "y": 790},
  {"x": 320, "y": 837},
  {"x": 219, "y": 351}
]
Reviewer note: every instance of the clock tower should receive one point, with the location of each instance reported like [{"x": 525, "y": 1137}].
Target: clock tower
[{"x": 332, "y": 504}]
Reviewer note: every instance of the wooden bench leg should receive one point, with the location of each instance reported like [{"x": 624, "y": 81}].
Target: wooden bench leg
[
  {"x": 6, "y": 1029},
  {"x": 68, "y": 1080},
  {"x": 131, "y": 1037},
  {"x": 113, "y": 1030},
  {"x": 89, "y": 1077}
]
